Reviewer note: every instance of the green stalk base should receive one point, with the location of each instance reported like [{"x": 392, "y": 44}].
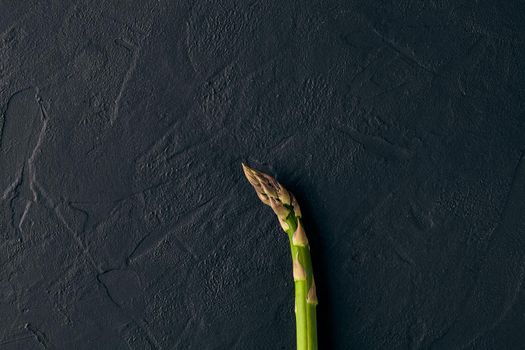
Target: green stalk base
[{"x": 305, "y": 311}]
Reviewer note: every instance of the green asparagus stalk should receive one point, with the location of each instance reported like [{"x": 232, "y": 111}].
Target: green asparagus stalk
[{"x": 285, "y": 206}]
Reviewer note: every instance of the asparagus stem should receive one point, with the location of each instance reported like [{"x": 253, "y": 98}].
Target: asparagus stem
[
  {"x": 311, "y": 322},
  {"x": 285, "y": 206},
  {"x": 300, "y": 315}
]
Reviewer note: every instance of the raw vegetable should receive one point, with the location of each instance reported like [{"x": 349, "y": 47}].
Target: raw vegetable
[{"x": 285, "y": 206}]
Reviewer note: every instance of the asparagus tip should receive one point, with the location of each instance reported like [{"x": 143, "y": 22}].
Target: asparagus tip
[{"x": 269, "y": 191}]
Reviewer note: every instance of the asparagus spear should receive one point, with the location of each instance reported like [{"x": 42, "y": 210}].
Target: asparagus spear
[{"x": 285, "y": 206}]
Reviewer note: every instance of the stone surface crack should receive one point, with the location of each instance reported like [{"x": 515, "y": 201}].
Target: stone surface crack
[
  {"x": 378, "y": 145},
  {"x": 39, "y": 335},
  {"x": 150, "y": 337},
  {"x": 123, "y": 85},
  {"x": 411, "y": 59},
  {"x": 31, "y": 172}
]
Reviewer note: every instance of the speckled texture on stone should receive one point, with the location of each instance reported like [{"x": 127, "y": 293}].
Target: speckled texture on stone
[{"x": 125, "y": 220}]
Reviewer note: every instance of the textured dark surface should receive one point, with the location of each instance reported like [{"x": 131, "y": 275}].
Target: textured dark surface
[{"x": 125, "y": 221}]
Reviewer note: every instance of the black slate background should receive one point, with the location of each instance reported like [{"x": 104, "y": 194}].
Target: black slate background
[{"x": 125, "y": 220}]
